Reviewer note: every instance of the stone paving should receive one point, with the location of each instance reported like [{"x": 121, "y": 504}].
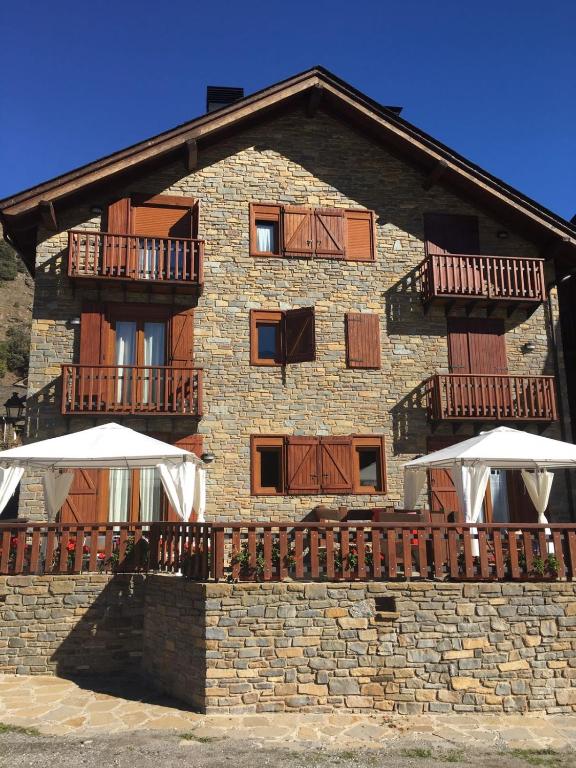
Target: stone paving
[{"x": 61, "y": 707}]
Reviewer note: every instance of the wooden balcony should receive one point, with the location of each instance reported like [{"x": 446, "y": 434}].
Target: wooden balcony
[
  {"x": 159, "y": 390},
  {"x": 134, "y": 259},
  {"x": 459, "y": 277},
  {"x": 482, "y": 397}
]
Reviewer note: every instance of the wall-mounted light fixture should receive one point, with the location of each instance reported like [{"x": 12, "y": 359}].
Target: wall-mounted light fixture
[
  {"x": 502, "y": 234},
  {"x": 208, "y": 457},
  {"x": 73, "y": 321},
  {"x": 528, "y": 347},
  {"x": 96, "y": 209}
]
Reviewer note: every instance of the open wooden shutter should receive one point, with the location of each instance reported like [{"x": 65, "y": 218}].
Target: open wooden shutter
[
  {"x": 362, "y": 340},
  {"x": 299, "y": 335},
  {"x": 329, "y": 232},
  {"x": 297, "y": 231},
  {"x": 93, "y": 335},
  {"x": 119, "y": 217},
  {"x": 182, "y": 337},
  {"x": 443, "y": 496},
  {"x": 360, "y": 235},
  {"x": 85, "y": 500},
  {"x": 303, "y": 474},
  {"x": 450, "y": 233},
  {"x": 336, "y": 464}
]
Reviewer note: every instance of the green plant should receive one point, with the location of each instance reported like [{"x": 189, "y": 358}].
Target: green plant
[
  {"x": 421, "y": 752},
  {"x": 17, "y": 347},
  {"x": 452, "y": 756},
  {"x": 552, "y": 565},
  {"x": 8, "y": 728},
  {"x": 544, "y": 757},
  {"x": 9, "y": 262},
  {"x": 538, "y": 565}
]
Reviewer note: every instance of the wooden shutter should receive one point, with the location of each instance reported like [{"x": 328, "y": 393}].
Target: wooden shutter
[
  {"x": 162, "y": 221},
  {"x": 362, "y": 340},
  {"x": 477, "y": 345},
  {"x": 443, "y": 496},
  {"x": 520, "y": 506},
  {"x": 119, "y": 217},
  {"x": 297, "y": 231},
  {"x": 336, "y": 464},
  {"x": 329, "y": 232},
  {"x": 303, "y": 474},
  {"x": 449, "y": 233},
  {"x": 360, "y": 235},
  {"x": 299, "y": 335},
  {"x": 85, "y": 500},
  {"x": 93, "y": 335},
  {"x": 181, "y": 334}
]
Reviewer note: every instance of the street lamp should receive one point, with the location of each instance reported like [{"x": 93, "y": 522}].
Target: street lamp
[{"x": 15, "y": 407}]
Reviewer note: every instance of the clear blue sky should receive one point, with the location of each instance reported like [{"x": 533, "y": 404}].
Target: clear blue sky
[{"x": 495, "y": 81}]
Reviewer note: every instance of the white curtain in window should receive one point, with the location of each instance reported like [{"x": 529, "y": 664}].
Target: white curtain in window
[
  {"x": 265, "y": 237},
  {"x": 125, "y": 356},
  {"x": 9, "y": 479},
  {"x": 154, "y": 354},
  {"x": 148, "y": 258},
  {"x": 499, "y": 494},
  {"x": 56, "y": 489},
  {"x": 119, "y": 495},
  {"x": 149, "y": 494}
]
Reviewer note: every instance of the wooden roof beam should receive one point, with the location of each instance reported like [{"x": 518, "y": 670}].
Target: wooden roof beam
[
  {"x": 48, "y": 215},
  {"x": 435, "y": 174},
  {"x": 191, "y": 150},
  {"x": 314, "y": 100}
]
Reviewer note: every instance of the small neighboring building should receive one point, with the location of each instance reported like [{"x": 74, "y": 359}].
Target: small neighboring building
[{"x": 303, "y": 284}]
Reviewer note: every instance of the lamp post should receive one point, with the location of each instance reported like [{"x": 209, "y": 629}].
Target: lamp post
[{"x": 14, "y": 407}]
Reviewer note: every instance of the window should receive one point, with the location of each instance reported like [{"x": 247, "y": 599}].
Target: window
[
  {"x": 279, "y": 338},
  {"x": 368, "y": 464},
  {"x": 301, "y": 232},
  {"x": 307, "y": 465},
  {"x": 267, "y": 466},
  {"x": 264, "y": 230}
]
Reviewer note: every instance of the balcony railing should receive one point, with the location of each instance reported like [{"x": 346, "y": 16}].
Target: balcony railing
[
  {"x": 510, "y": 278},
  {"x": 101, "y": 255},
  {"x": 151, "y": 390},
  {"x": 253, "y": 551},
  {"x": 459, "y": 397}
]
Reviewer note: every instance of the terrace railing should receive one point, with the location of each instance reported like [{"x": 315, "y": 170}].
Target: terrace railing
[
  {"x": 103, "y": 255},
  {"x": 297, "y": 551},
  {"x": 510, "y": 278}
]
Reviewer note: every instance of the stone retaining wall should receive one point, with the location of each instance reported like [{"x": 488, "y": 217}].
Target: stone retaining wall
[{"x": 404, "y": 647}]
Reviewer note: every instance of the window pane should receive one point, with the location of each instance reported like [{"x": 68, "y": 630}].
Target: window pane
[
  {"x": 267, "y": 341},
  {"x": 270, "y": 468},
  {"x": 266, "y": 236},
  {"x": 369, "y": 459}
]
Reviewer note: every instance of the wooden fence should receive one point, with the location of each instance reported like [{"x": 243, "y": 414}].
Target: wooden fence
[{"x": 298, "y": 551}]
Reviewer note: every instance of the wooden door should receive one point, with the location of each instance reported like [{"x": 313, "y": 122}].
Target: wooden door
[
  {"x": 443, "y": 496},
  {"x": 86, "y": 500},
  {"x": 450, "y": 233},
  {"x": 520, "y": 506}
]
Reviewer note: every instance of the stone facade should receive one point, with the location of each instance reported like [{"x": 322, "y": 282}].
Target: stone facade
[
  {"x": 317, "y": 162},
  {"x": 398, "y": 646}
]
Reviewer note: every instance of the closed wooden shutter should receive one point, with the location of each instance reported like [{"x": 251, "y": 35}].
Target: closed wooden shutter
[
  {"x": 362, "y": 340},
  {"x": 477, "y": 345},
  {"x": 181, "y": 334},
  {"x": 450, "y": 233},
  {"x": 297, "y": 231},
  {"x": 159, "y": 221},
  {"x": 119, "y": 217},
  {"x": 329, "y": 232},
  {"x": 360, "y": 235},
  {"x": 302, "y": 465},
  {"x": 299, "y": 335},
  {"x": 85, "y": 500},
  {"x": 336, "y": 464},
  {"x": 93, "y": 335}
]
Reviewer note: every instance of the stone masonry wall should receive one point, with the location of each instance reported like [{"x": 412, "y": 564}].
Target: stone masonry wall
[
  {"x": 64, "y": 625},
  {"x": 404, "y": 647},
  {"x": 446, "y": 648},
  {"x": 316, "y": 162}
]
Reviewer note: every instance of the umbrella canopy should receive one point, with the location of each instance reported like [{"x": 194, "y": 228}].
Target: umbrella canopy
[
  {"x": 109, "y": 445},
  {"x": 501, "y": 448}
]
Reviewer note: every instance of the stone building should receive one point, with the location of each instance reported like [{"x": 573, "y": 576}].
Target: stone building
[{"x": 302, "y": 284}]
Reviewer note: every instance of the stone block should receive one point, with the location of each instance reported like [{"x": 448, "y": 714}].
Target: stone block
[{"x": 343, "y": 686}]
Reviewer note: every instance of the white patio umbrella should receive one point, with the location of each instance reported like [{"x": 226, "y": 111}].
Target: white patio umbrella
[
  {"x": 502, "y": 448},
  {"x": 109, "y": 445}
]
